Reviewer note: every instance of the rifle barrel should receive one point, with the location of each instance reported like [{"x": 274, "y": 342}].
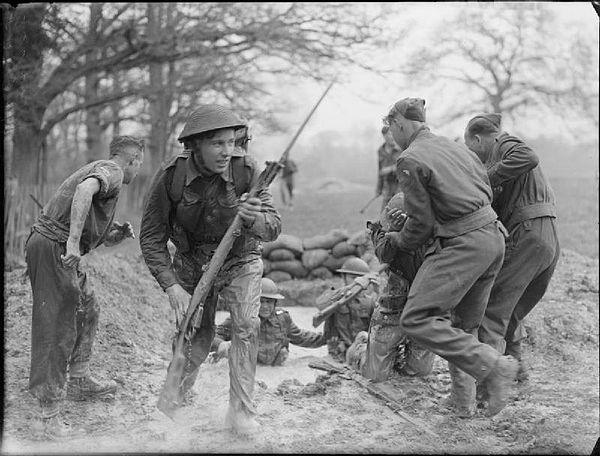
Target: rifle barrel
[{"x": 293, "y": 141}]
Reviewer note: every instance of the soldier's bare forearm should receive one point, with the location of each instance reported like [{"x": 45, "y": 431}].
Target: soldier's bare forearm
[{"x": 82, "y": 200}]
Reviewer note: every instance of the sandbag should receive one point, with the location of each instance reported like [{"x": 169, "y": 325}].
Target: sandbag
[
  {"x": 332, "y": 263},
  {"x": 266, "y": 266},
  {"x": 320, "y": 273},
  {"x": 279, "y": 276},
  {"x": 314, "y": 258},
  {"x": 325, "y": 241},
  {"x": 293, "y": 267},
  {"x": 284, "y": 241},
  {"x": 359, "y": 238},
  {"x": 281, "y": 255},
  {"x": 342, "y": 249}
]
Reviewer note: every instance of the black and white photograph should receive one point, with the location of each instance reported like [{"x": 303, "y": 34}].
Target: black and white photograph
[{"x": 313, "y": 227}]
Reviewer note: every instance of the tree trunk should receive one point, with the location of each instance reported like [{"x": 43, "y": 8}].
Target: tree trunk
[
  {"x": 25, "y": 46},
  {"x": 160, "y": 94},
  {"x": 93, "y": 140}
]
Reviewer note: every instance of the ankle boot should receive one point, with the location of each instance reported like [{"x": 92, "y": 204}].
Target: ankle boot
[
  {"x": 498, "y": 383},
  {"x": 89, "y": 388},
  {"x": 462, "y": 392}
]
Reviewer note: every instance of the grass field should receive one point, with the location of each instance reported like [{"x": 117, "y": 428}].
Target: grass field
[{"x": 316, "y": 212}]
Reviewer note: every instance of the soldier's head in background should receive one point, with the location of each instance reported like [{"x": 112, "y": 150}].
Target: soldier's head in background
[
  {"x": 352, "y": 268},
  {"x": 404, "y": 119},
  {"x": 128, "y": 151},
  {"x": 209, "y": 134},
  {"x": 481, "y": 132}
]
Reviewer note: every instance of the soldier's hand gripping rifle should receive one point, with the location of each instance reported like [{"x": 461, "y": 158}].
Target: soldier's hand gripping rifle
[
  {"x": 344, "y": 295},
  {"x": 169, "y": 399}
]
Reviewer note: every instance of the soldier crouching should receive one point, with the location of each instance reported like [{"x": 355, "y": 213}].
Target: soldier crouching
[{"x": 192, "y": 201}]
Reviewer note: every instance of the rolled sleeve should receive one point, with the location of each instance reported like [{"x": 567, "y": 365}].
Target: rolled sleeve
[{"x": 110, "y": 177}]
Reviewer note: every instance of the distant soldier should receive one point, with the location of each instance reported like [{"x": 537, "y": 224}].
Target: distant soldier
[
  {"x": 277, "y": 331},
  {"x": 387, "y": 154},
  {"x": 192, "y": 201},
  {"x": 448, "y": 197},
  {"x": 78, "y": 218},
  {"x": 288, "y": 182},
  {"x": 388, "y": 348},
  {"x": 525, "y": 204},
  {"x": 353, "y": 317}
]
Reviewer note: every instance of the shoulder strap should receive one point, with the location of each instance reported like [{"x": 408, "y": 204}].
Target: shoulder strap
[
  {"x": 177, "y": 180},
  {"x": 242, "y": 174}
]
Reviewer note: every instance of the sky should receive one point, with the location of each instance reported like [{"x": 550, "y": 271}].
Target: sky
[{"x": 362, "y": 98}]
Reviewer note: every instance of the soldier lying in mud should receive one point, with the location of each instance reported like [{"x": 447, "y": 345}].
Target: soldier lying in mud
[{"x": 277, "y": 331}]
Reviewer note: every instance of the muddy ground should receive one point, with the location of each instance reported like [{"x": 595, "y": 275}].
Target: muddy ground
[{"x": 302, "y": 410}]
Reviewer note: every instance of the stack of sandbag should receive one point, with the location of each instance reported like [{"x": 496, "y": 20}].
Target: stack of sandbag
[{"x": 317, "y": 257}]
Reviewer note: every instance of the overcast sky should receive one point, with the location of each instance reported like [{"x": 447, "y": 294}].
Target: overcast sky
[{"x": 362, "y": 98}]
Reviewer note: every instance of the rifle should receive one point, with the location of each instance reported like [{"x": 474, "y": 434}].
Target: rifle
[
  {"x": 375, "y": 390},
  {"x": 168, "y": 400},
  {"x": 344, "y": 295},
  {"x": 35, "y": 200}
]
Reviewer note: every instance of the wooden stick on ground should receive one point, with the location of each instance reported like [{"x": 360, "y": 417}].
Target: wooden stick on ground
[{"x": 372, "y": 388}]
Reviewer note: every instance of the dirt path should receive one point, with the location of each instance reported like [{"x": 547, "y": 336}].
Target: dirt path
[{"x": 300, "y": 409}]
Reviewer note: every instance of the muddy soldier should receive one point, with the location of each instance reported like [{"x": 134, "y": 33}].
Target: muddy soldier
[
  {"x": 192, "y": 201},
  {"x": 524, "y": 202},
  {"x": 388, "y": 348},
  {"x": 78, "y": 218},
  {"x": 353, "y": 317},
  {"x": 448, "y": 197},
  {"x": 387, "y": 154},
  {"x": 277, "y": 331}
]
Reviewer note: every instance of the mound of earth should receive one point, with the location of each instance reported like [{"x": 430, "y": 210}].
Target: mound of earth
[{"x": 302, "y": 410}]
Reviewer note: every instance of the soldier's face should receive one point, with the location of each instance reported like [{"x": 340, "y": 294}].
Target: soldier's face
[
  {"x": 267, "y": 306},
  {"x": 398, "y": 132},
  {"x": 216, "y": 151}
]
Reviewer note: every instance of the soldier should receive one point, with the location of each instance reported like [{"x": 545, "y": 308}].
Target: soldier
[
  {"x": 387, "y": 154},
  {"x": 388, "y": 348},
  {"x": 524, "y": 202},
  {"x": 287, "y": 183},
  {"x": 78, "y": 218},
  {"x": 448, "y": 197},
  {"x": 353, "y": 317},
  {"x": 277, "y": 331},
  {"x": 192, "y": 200}
]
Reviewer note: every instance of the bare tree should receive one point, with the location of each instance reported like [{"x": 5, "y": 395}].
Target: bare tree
[
  {"x": 211, "y": 52},
  {"x": 505, "y": 56}
]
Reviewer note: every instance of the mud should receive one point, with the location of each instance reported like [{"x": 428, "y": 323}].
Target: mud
[{"x": 302, "y": 410}]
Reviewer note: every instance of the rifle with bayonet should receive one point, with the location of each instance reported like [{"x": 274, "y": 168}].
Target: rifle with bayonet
[
  {"x": 343, "y": 296},
  {"x": 169, "y": 399}
]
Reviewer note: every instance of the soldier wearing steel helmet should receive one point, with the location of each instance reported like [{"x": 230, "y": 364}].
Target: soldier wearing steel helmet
[
  {"x": 353, "y": 317},
  {"x": 277, "y": 331},
  {"x": 192, "y": 200}
]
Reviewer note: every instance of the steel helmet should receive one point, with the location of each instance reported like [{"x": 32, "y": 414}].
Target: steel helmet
[
  {"x": 354, "y": 266},
  {"x": 396, "y": 202},
  {"x": 268, "y": 289},
  {"x": 210, "y": 117}
]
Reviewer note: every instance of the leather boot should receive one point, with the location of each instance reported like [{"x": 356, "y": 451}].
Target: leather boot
[
  {"x": 241, "y": 422},
  {"x": 498, "y": 383},
  {"x": 89, "y": 388},
  {"x": 462, "y": 392},
  {"x": 49, "y": 424},
  {"x": 515, "y": 350}
]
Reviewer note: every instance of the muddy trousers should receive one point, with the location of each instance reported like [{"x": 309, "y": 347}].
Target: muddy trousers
[
  {"x": 532, "y": 251},
  {"x": 64, "y": 319},
  {"x": 448, "y": 296},
  {"x": 239, "y": 287}
]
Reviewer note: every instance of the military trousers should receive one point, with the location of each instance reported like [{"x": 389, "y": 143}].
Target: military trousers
[
  {"x": 532, "y": 252},
  {"x": 238, "y": 284},
  {"x": 448, "y": 296},
  {"x": 64, "y": 318}
]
